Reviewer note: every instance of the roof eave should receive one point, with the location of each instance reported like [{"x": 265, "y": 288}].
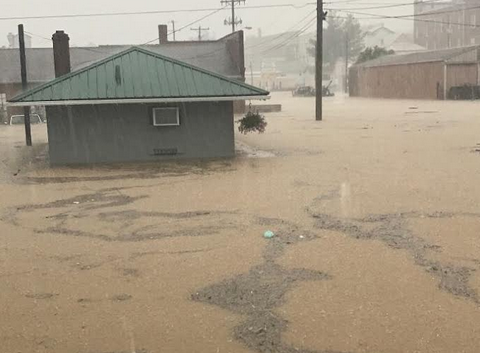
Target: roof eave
[{"x": 137, "y": 101}]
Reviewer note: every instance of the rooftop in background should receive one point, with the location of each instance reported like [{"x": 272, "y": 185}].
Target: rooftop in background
[
  {"x": 217, "y": 56},
  {"x": 371, "y": 30},
  {"x": 138, "y": 75},
  {"x": 460, "y": 55},
  {"x": 384, "y": 37},
  {"x": 403, "y": 47}
]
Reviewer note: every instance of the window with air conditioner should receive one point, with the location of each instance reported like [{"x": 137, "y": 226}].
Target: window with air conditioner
[{"x": 166, "y": 116}]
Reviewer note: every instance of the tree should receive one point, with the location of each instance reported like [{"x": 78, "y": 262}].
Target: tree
[
  {"x": 373, "y": 53},
  {"x": 335, "y": 37},
  {"x": 353, "y": 32}
]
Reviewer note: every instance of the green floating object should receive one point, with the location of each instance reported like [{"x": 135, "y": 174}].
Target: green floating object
[{"x": 269, "y": 234}]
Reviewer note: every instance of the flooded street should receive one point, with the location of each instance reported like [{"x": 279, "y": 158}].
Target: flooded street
[{"x": 377, "y": 245}]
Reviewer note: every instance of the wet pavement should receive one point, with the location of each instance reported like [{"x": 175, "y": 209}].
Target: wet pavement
[{"x": 377, "y": 224}]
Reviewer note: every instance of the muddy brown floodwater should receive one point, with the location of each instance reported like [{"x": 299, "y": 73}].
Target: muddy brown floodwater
[{"x": 377, "y": 217}]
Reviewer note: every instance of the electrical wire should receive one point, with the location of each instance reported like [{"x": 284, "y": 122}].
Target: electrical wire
[
  {"x": 282, "y": 34},
  {"x": 188, "y": 25},
  {"x": 383, "y": 6},
  {"x": 289, "y": 36},
  {"x": 153, "y": 12},
  {"x": 208, "y": 54},
  {"x": 292, "y": 36},
  {"x": 413, "y": 19},
  {"x": 423, "y": 14},
  {"x": 78, "y": 48}
]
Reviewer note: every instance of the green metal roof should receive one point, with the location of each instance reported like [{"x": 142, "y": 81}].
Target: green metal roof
[{"x": 138, "y": 74}]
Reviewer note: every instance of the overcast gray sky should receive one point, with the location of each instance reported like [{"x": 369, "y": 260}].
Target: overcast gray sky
[{"x": 138, "y": 29}]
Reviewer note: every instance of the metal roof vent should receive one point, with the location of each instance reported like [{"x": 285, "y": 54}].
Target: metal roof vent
[{"x": 118, "y": 75}]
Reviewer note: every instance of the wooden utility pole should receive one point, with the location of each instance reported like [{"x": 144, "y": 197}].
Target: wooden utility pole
[
  {"x": 233, "y": 21},
  {"x": 199, "y": 29},
  {"x": 319, "y": 63},
  {"x": 173, "y": 31},
  {"x": 251, "y": 73},
  {"x": 23, "y": 71},
  {"x": 347, "y": 58}
]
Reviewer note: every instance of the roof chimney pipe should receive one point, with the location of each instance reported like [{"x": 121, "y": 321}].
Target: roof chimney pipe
[
  {"x": 163, "y": 34},
  {"x": 61, "y": 53}
]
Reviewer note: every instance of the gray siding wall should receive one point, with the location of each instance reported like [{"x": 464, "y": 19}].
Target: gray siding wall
[{"x": 125, "y": 132}]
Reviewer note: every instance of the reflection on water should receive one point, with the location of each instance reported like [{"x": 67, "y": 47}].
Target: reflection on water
[{"x": 345, "y": 197}]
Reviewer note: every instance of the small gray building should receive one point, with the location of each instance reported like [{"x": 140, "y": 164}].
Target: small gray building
[
  {"x": 224, "y": 56},
  {"x": 138, "y": 105}
]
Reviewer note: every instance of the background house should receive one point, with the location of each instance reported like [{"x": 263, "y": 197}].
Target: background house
[
  {"x": 422, "y": 75},
  {"x": 224, "y": 56},
  {"x": 14, "y": 43},
  {"x": 138, "y": 105},
  {"x": 447, "y": 24},
  {"x": 279, "y": 62},
  {"x": 384, "y": 37},
  {"x": 379, "y": 36}
]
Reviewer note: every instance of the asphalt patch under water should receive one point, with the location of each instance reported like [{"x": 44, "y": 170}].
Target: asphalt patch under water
[
  {"x": 86, "y": 206},
  {"x": 393, "y": 230},
  {"x": 258, "y": 293}
]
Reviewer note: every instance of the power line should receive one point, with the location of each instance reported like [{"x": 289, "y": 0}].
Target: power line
[
  {"x": 190, "y": 10},
  {"x": 93, "y": 50},
  {"x": 442, "y": 12},
  {"x": 292, "y": 36},
  {"x": 289, "y": 36},
  {"x": 282, "y": 43},
  {"x": 258, "y": 44},
  {"x": 286, "y": 33},
  {"x": 39, "y": 36},
  {"x": 415, "y": 16},
  {"x": 152, "y": 12},
  {"x": 383, "y": 6},
  {"x": 189, "y": 24},
  {"x": 411, "y": 18}
]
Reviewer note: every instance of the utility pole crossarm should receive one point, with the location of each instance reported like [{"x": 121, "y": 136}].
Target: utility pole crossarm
[
  {"x": 200, "y": 29},
  {"x": 233, "y": 21}
]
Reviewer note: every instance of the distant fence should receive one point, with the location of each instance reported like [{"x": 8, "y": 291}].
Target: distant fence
[{"x": 465, "y": 92}]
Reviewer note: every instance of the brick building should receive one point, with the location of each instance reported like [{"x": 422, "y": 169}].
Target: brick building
[{"x": 447, "y": 24}]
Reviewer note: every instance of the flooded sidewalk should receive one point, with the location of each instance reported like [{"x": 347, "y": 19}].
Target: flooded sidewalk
[{"x": 376, "y": 249}]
